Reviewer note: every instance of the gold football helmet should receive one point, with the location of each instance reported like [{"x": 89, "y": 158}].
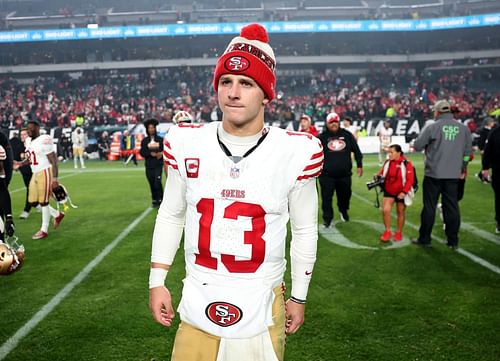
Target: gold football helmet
[{"x": 11, "y": 257}]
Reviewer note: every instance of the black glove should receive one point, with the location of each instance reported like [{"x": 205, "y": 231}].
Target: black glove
[{"x": 9, "y": 226}]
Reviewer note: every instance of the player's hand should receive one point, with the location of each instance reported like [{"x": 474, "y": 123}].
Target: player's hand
[
  {"x": 486, "y": 174},
  {"x": 9, "y": 226},
  {"x": 16, "y": 165},
  {"x": 160, "y": 304},
  {"x": 294, "y": 316},
  {"x": 55, "y": 184},
  {"x": 359, "y": 171}
]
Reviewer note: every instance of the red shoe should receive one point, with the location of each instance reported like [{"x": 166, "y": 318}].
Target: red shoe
[
  {"x": 398, "y": 236},
  {"x": 40, "y": 234},
  {"x": 386, "y": 236},
  {"x": 58, "y": 220}
]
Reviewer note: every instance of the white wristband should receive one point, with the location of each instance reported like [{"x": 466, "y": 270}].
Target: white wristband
[{"x": 157, "y": 277}]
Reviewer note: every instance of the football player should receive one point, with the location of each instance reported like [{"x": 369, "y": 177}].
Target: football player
[
  {"x": 232, "y": 187},
  {"x": 43, "y": 160}
]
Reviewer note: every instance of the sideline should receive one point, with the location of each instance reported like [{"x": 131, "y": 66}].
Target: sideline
[
  {"x": 462, "y": 251},
  {"x": 12, "y": 342}
]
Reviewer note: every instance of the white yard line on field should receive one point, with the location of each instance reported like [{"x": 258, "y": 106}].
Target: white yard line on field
[
  {"x": 12, "y": 342},
  {"x": 463, "y": 252},
  {"x": 481, "y": 233},
  {"x": 24, "y": 188}
]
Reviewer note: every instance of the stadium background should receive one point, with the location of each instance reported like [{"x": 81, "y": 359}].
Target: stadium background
[{"x": 365, "y": 304}]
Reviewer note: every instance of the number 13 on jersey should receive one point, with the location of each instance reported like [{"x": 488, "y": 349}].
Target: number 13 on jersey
[{"x": 252, "y": 237}]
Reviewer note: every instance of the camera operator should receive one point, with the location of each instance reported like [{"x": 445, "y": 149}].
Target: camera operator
[{"x": 398, "y": 176}]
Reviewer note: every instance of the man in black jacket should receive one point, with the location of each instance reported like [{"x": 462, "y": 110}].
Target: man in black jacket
[
  {"x": 489, "y": 124},
  {"x": 338, "y": 144},
  {"x": 152, "y": 151},
  {"x": 491, "y": 159},
  {"x": 19, "y": 152}
]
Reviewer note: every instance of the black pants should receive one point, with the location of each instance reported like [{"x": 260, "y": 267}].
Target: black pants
[
  {"x": 448, "y": 189},
  {"x": 495, "y": 183},
  {"x": 328, "y": 186},
  {"x": 154, "y": 178},
  {"x": 26, "y": 173}
]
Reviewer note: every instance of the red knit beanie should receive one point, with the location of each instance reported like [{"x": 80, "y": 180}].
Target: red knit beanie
[{"x": 251, "y": 55}]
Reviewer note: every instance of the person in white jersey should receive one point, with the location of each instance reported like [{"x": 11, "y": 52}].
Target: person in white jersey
[
  {"x": 232, "y": 187},
  {"x": 43, "y": 160},
  {"x": 385, "y": 138}
]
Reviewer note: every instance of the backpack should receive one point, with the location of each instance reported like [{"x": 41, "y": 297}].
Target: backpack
[{"x": 415, "y": 179}]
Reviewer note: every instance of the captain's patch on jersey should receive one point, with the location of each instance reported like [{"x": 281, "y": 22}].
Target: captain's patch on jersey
[
  {"x": 192, "y": 167},
  {"x": 223, "y": 314}
]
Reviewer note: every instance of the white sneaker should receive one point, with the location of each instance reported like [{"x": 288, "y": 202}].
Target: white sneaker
[{"x": 24, "y": 215}]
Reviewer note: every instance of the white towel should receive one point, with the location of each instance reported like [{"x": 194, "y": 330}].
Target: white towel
[{"x": 256, "y": 348}]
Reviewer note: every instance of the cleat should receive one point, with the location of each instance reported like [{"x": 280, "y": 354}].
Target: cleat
[
  {"x": 398, "y": 236},
  {"x": 58, "y": 220},
  {"x": 386, "y": 236},
  {"x": 344, "y": 216},
  {"x": 40, "y": 235},
  {"x": 453, "y": 247},
  {"x": 24, "y": 215}
]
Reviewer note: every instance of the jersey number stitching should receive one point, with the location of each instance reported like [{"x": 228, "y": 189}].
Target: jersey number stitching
[{"x": 253, "y": 237}]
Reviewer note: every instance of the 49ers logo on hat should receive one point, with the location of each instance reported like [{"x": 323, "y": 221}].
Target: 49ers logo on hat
[
  {"x": 223, "y": 314},
  {"x": 237, "y": 63}
]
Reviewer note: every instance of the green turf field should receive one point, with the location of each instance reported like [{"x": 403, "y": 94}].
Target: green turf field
[{"x": 367, "y": 300}]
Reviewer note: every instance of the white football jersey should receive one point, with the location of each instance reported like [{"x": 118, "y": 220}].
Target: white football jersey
[
  {"x": 385, "y": 135},
  {"x": 237, "y": 213},
  {"x": 37, "y": 150}
]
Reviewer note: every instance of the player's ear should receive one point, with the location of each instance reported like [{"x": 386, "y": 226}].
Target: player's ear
[{"x": 265, "y": 101}]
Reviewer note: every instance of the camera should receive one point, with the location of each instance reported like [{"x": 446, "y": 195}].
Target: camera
[{"x": 378, "y": 180}]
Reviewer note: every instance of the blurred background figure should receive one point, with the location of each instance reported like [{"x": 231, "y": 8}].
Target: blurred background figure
[
  {"x": 484, "y": 132},
  {"x": 66, "y": 147},
  {"x": 385, "y": 138},
  {"x": 491, "y": 159},
  {"x": 103, "y": 145},
  {"x": 306, "y": 125},
  {"x": 128, "y": 147},
  {"x": 19, "y": 153},
  {"x": 79, "y": 140},
  {"x": 152, "y": 151}
]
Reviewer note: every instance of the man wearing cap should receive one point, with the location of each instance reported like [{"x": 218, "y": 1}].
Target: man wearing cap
[
  {"x": 447, "y": 145},
  {"x": 338, "y": 145},
  {"x": 43, "y": 160},
  {"x": 232, "y": 187},
  {"x": 152, "y": 151},
  {"x": 306, "y": 125}
]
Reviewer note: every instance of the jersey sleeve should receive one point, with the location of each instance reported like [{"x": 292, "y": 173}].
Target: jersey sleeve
[
  {"x": 169, "y": 158},
  {"x": 313, "y": 164},
  {"x": 3, "y": 153},
  {"x": 47, "y": 145}
]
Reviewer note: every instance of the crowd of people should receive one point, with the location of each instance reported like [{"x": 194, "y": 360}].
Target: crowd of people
[{"x": 104, "y": 98}]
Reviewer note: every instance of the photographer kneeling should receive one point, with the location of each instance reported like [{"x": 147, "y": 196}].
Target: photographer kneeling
[{"x": 398, "y": 175}]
